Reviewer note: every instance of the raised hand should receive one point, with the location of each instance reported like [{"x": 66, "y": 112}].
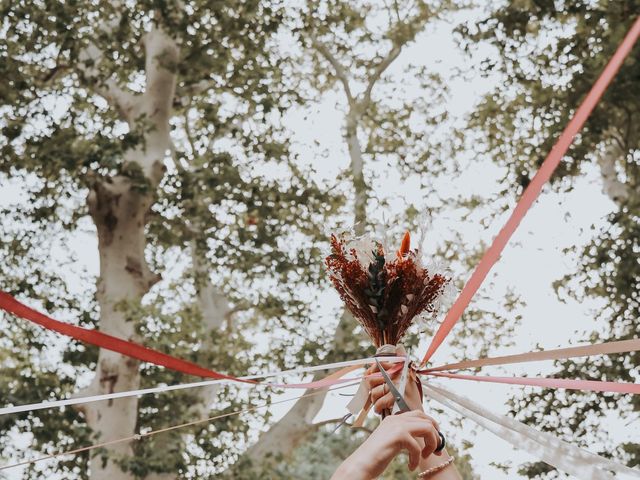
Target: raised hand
[{"x": 414, "y": 431}]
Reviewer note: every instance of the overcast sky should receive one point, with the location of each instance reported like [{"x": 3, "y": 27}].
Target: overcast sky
[{"x": 529, "y": 265}]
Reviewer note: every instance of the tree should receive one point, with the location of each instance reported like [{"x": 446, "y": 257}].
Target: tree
[
  {"x": 350, "y": 48},
  {"x": 156, "y": 123},
  {"x": 156, "y": 128},
  {"x": 549, "y": 54},
  {"x": 351, "y": 45}
]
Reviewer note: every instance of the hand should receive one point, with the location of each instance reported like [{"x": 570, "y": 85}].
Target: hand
[
  {"x": 412, "y": 431},
  {"x": 382, "y": 398}
]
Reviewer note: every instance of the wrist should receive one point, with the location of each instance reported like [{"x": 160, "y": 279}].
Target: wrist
[{"x": 353, "y": 468}]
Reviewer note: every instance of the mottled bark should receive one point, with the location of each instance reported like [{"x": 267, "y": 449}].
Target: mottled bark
[
  {"x": 612, "y": 155},
  {"x": 119, "y": 208},
  {"x": 297, "y": 424}
]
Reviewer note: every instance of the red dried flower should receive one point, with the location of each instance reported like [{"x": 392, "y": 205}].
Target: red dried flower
[{"x": 384, "y": 295}]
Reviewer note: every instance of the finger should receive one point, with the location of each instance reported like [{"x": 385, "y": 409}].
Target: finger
[
  {"x": 420, "y": 428},
  {"x": 416, "y": 414},
  {"x": 372, "y": 369},
  {"x": 386, "y": 365},
  {"x": 373, "y": 382},
  {"x": 378, "y": 392},
  {"x": 419, "y": 414},
  {"x": 414, "y": 449},
  {"x": 384, "y": 403},
  {"x": 438, "y": 440},
  {"x": 431, "y": 443},
  {"x": 431, "y": 419}
]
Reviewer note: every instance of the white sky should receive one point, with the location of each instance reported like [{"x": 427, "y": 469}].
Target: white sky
[{"x": 529, "y": 265}]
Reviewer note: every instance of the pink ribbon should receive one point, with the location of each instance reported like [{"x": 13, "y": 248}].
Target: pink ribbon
[
  {"x": 605, "y": 348},
  {"x": 532, "y": 192},
  {"x": 589, "y": 385}
]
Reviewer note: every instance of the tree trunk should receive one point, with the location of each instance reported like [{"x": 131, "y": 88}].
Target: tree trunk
[
  {"x": 119, "y": 214},
  {"x": 357, "y": 172},
  {"x": 297, "y": 424},
  {"x": 292, "y": 429},
  {"x": 119, "y": 207}
]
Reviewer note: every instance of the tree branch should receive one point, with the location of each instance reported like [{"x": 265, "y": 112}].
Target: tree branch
[
  {"x": 415, "y": 24},
  {"x": 161, "y": 58},
  {"x": 377, "y": 73},
  {"x": 88, "y": 66},
  {"x": 340, "y": 72}
]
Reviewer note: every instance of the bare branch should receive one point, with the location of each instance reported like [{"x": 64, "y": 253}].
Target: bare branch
[
  {"x": 416, "y": 23},
  {"x": 161, "y": 58},
  {"x": 88, "y": 65},
  {"x": 242, "y": 307},
  {"x": 337, "y": 67},
  {"x": 377, "y": 73}
]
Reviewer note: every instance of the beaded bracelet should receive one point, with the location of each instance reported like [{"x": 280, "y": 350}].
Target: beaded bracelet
[{"x": 429, "y": 473}]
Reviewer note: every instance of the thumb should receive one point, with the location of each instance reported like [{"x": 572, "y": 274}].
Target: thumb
[{"x": 400, "y": 351}]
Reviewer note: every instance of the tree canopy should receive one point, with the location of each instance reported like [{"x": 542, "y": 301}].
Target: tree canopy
[
  {"x": 549, "y": 56},
  {"x": 155, "y": 135}
]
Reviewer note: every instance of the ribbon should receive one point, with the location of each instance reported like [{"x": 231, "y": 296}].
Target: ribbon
[
  {"x": 139, "y": 352},
  {"x": 588, "y": 385},
  {"x": 605, "y": 348},
  {"x": 533, "y": 190},
  {"x": 329, "y": 380},
  {"x": 148, "y": 433},
  {"x": 550, "y": 449},
  {"x": 109, "y": 342}
]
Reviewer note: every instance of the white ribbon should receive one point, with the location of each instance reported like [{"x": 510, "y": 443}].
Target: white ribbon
[
  {"x": 167, "y": 388},
  {"x": 548, "y": 448}
]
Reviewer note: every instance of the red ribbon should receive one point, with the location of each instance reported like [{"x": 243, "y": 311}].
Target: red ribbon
[
  {"x": 134, "y": 350},
  {"x": 532, "y": 192},
  {"x": 109, "y": 342}
]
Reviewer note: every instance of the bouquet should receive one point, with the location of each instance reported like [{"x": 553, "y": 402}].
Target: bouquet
[{"x": 385, "y": 291}]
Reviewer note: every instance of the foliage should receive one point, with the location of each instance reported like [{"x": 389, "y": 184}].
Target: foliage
[
  {"x": 548, "y": 54},
  {"x": 236, "y": 209},
  {"x": 220, "y": 199}
]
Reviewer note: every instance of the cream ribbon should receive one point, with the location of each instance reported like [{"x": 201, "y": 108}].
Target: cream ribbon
[
  {"x": 548, "y": 448},
  {"x": 167, "y": 388}
]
